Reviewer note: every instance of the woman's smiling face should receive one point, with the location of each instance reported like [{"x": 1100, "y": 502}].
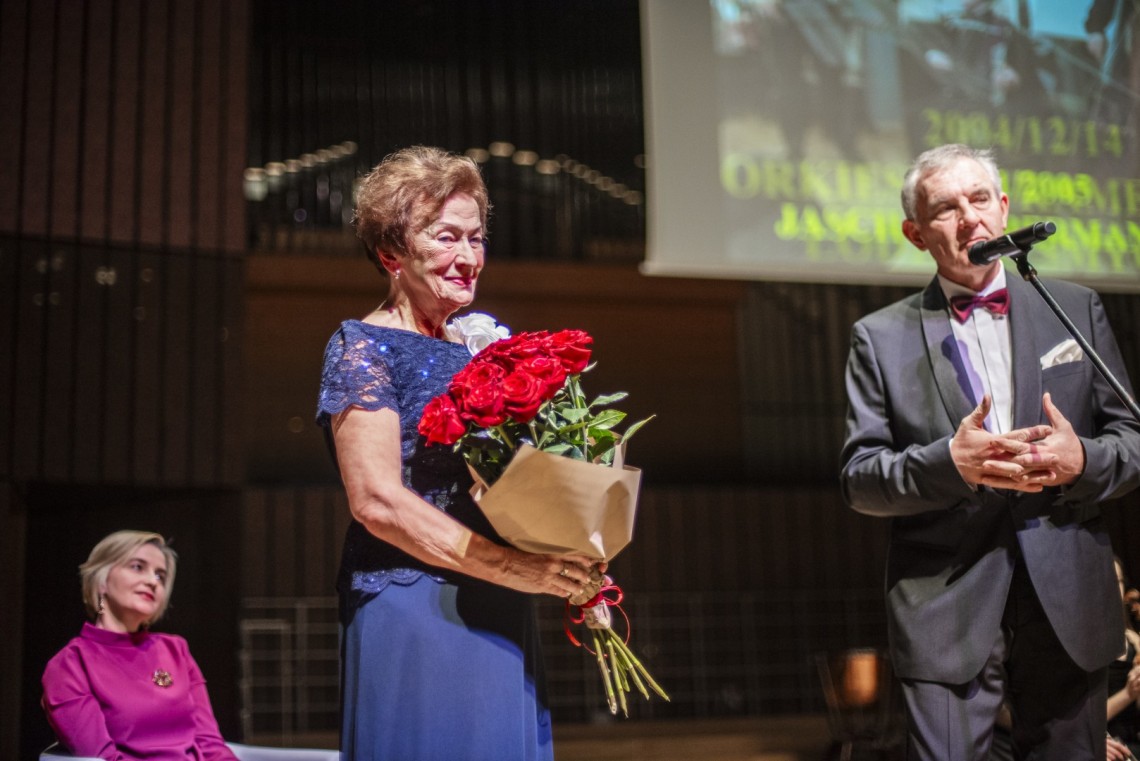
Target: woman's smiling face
[
  {"x": 135, "y": 590},
  {"x": 446, "y": 259}
]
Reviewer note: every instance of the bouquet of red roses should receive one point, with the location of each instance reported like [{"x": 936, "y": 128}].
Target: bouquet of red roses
[{"x": 548, "y": 467}]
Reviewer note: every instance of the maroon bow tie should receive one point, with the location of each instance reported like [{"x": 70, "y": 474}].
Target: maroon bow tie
[{"x": 996, "y": 303}]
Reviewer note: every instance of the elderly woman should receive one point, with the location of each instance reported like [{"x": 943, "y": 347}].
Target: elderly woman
[
  {"x": 440, "y": 650},
  {"x": 118, "y": 691}
]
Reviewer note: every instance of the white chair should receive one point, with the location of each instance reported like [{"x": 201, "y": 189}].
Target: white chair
[
  {"x": 265, "y": 753},
  {"x": 56, "y": 752}
]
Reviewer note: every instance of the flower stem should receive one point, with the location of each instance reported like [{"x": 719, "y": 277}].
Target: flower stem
[
  {"x": 605, "y": 674},
  {"x": 620, "y": 685},
  {"x": 632, "y": 672},
  {"x": 637, "y": 664},
  {"x": 506, "y": 437},
  {"x": 580, "y": 404}
]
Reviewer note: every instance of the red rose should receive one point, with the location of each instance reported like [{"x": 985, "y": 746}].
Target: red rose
[
  {"x": 548, "y": 370},
  {"x": 508, "y": 352},
  {"x": 475, "y": 373},
  {"x": 572, "y": 348},
  {"x": 478, "y": 393},
  {"x": 523, "y": 394},
  {"x": 440, "y": 422}
]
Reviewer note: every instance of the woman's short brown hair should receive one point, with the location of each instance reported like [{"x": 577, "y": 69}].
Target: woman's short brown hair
[
  {"x": 406, "y": 190},
  {"x": 117, "y": 548}
]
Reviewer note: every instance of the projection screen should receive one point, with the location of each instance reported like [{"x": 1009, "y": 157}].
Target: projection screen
[{"x": 778, "y": 131}]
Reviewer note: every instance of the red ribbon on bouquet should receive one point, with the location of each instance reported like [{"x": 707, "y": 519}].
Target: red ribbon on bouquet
[{"x": 576, "y": 614}]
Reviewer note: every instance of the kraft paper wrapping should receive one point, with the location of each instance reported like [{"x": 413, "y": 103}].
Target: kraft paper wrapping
[{"x": 552, "y": 504}]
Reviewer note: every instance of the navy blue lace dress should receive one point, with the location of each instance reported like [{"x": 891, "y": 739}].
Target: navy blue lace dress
[{"x": 435, "y": 665}]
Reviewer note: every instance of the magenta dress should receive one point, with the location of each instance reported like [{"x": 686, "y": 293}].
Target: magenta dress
[{"x": 104, "y": 695}]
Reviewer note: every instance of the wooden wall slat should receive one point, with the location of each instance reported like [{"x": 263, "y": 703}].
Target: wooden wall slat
[
  {"x": 182, "y": 158},
  {"x": 148, "y": 313},
  {"x": 9, "y": 310},
  {"x": 207, "y": 118},
  {"x": 90, "y": 358},
  {"x": 205, "y": 371},
  {"x": 124, "y": 133},
  {"x": 256, "y": 540},
  {"x": 287, "y": 550},
  {"x": 65, "y": 156},
  {"x": 175, "y": 413},
  {"x": 154, "y": 145},
  {"x": 230, "y": 435},
  {"x": 93, "y": 185},
  {"x": 118, "y": 328},
  {"x": 235, "y": 126},
  {"x": 27, "y": 417},
  {"x": 13, "y": 50},
  {"x": 37, "y": 131},
  {"x": 59, "y": 379}
]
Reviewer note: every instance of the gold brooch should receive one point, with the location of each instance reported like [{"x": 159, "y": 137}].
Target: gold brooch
[{"x": 162, "y": 678}]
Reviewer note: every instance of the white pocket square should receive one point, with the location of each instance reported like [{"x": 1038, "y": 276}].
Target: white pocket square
[{"x": 1062, "y": 353}]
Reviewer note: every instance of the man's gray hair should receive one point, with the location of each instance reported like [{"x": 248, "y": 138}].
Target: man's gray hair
[{"x": 940, "y": 158}]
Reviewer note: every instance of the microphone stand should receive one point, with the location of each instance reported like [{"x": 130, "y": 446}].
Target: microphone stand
[{"x": 1029, "y": 273}]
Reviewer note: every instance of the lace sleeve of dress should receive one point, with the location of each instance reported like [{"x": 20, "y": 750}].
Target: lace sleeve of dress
[{"x": 357, "y": 372}]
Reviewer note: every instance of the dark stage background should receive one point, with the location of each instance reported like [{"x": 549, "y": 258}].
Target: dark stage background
[{"x": 173, "y": 256}]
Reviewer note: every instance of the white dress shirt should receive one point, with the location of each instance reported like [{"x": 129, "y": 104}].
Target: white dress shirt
[{"x": 983, "y": 342}]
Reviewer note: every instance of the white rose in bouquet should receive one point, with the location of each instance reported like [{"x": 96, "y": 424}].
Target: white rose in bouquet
[{"x": 476, "y": 331}]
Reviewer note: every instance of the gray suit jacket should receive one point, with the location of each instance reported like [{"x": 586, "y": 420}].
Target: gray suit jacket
[{"x": 951, "y": 553}]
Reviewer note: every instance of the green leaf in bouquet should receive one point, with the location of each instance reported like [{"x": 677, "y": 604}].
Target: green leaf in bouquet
[
  {"x": 636, "y": 427},
  {"x": 561, "y": 449},
  {"x": 607, "y": 399},
  {"x": 576, "y": 453},
  {"x": 602, "y": 444},
  {"x": 606, "y": 419},
  {"x": 573, "y": 414}
]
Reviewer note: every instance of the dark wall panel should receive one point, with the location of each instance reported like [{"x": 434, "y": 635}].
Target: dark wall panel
[
  {"x": 30, "y": 347},
  {"x": 111, "y": 383},
  {"x": 37, "y": 104},
  {"x": 124, "y": 121},
  {"x": 91, "y": 359},
  {"x": 13, "y": 62},
  {"x": 59, "y": 352},
  {"x": 184, "y": 128},
  {"x": 97, "y": 124},
  {"x": 124, "y": 141},
  {"x": 123, "y": 170},
  {"x": 687, "y": 540},
  {"x": 154, "y": 128},
  {"x": 67, "y": 110},
  {"x": 148, "y": 382}
]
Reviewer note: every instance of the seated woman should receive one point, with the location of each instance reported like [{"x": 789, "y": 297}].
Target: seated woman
[{"x": 118, "y": 691}]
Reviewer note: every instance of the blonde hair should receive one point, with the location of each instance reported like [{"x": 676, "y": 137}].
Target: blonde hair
[
  {"x": 404, "y": 193},
  {"x": 117, "y": 548}
]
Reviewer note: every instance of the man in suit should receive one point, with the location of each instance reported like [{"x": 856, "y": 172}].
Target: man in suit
[{"x": 990, "y": 442}]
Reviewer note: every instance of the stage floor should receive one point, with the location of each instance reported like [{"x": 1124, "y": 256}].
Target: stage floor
[
  {"x": 778, "y": 738},
  {"x": 775, "y": 738}
]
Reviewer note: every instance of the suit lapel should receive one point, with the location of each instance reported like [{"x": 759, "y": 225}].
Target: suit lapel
[
  {"x": 942, "y": 351},
  {"x": 1025, "y": 307}
]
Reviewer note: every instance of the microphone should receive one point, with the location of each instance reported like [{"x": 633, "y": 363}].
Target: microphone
[{"x": 1016, "y": 242}]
